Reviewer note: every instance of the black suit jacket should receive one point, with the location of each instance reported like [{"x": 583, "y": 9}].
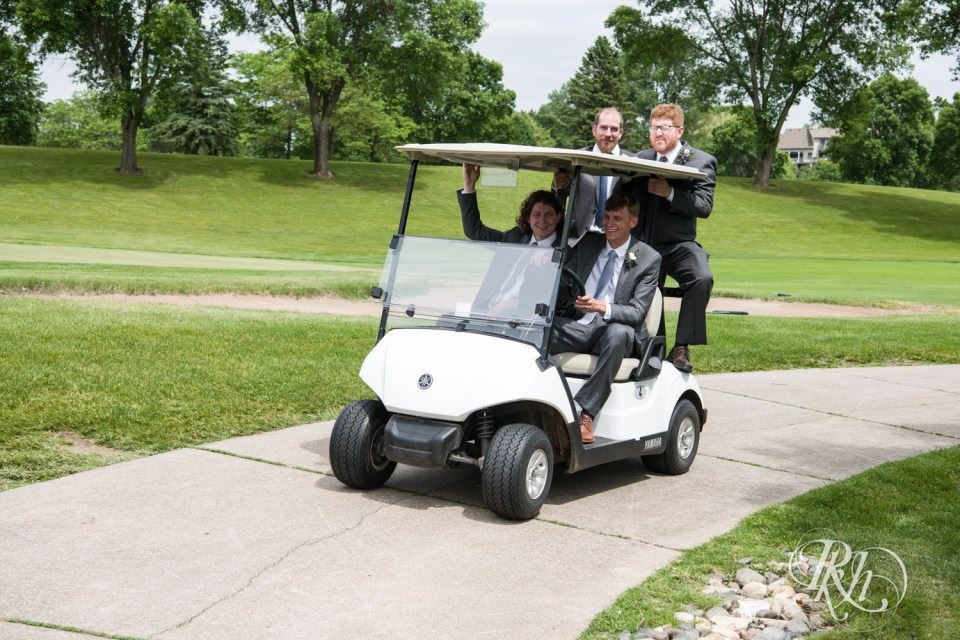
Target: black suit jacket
[
  {"x": 474, "y": 228},
  {"x": 663, "y": 222},
  {"x": 635, "y": 288},
  {"x": 585, "y": 208}
]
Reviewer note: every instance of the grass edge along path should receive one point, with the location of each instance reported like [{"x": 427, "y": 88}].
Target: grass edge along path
[{"x": 908, "y": 506}]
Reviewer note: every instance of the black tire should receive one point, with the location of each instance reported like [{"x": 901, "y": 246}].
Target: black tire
[
  {"x": 515, "y": 450},
  {"x": 356, "y": 445},
  {"x": 672, "y": 461}
]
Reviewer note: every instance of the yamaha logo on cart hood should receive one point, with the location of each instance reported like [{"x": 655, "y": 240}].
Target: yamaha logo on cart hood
[{"x": 425, "y": 381}]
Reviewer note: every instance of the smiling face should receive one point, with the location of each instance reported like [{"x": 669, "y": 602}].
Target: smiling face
[
  {"x": 617, "y": 224},
  {"x": 543, "y": 220},
  {"x": 664, "y": 135},
  {"x": 608, "y": 130}
]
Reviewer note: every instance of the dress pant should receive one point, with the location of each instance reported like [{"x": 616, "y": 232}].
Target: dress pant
[
  {"x": 611, "y": 342},
  {"x": 686, "y": 262}
]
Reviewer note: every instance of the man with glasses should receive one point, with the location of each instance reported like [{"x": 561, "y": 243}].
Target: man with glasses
[
  {"x": 593, "y": 191},
  {"x": 668, "y": 222}
]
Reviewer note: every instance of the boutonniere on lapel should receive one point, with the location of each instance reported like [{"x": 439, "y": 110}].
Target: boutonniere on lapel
[
  {"x": 631, "y": 260},
  {"x": 685, "y": 155}
]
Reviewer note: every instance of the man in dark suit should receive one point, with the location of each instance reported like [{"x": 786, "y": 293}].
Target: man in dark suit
[
  {"x": 593, "y": 191},
  {"x": 669, "y": 210},
  {"x": 620, "y": 280}
]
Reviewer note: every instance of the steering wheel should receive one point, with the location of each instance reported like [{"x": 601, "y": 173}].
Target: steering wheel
[{"x": 571, "y": 287}]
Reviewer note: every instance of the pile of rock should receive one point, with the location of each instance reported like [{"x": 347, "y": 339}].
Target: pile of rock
[{"x": 755, "y": 606}]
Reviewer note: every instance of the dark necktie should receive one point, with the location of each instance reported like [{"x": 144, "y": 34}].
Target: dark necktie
[{"x": 601, "y": 200}]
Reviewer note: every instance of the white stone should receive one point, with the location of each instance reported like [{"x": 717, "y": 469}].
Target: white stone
[
  {"x": 750, "y": 607},
  {"x": 754, "y": 590},
  {"x": 684, "y": 616}
]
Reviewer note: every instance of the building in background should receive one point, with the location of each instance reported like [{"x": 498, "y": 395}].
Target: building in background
[{"x": 805, "y": 146}]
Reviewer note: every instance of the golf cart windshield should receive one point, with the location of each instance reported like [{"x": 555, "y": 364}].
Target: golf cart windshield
[{"x": 485, "y": 287}]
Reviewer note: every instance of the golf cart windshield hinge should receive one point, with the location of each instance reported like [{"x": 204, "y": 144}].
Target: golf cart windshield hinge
[
  {"x": 557, "y": 256},
  {"x": 394, "y": 241}
]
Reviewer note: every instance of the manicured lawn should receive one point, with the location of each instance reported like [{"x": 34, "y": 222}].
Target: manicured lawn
[
  {"x": 908, "y": 506},
  {"x": 144, "y": 379},
  {"x": 817, "y": 241}
]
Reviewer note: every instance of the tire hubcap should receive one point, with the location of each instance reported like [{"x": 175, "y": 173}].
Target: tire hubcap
[
  {"x": 537, "y": 472},
  {"x": 687, "y": 437},
  {"x": 377, "y": 459}
]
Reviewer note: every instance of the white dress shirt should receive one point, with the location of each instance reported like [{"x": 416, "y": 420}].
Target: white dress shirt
[{"x": 607, "y": 295}]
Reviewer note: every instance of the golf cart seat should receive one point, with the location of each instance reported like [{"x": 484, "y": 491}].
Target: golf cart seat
[{"x": 583, "y": 364}]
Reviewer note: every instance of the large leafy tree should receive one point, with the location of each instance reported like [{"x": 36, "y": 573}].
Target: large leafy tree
[
  {"x": 769, "y": 54},
  {"x": 887, "y": 134},
  {"x": 20, "y": 92},
  {"x": 122, "y": 48},
  {"x": 335, "y": 42},
  {"x": 944, "y": 162},
  {"x": 938, "y": 24},
  {"x": 79, "y": 123}
]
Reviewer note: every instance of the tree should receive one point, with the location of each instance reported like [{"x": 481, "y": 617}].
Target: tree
[
  {"x": 78, "y": 123},
  {"x": 334, "y": 42},
  {"x": 938, "y": 27},
  {"x": 20, "y": 92},
  {"x": 770, "y": 54},
  {"x": 556, "y": 117},
  {"x": 944, "y": 163},
  {"x": 194, "y": 112},
  {"x": 735, "y": 147},
  {"x": 367, "y": 128},
  {"x": 887, "y": 134},
  {"x": 122, "y": 48}
]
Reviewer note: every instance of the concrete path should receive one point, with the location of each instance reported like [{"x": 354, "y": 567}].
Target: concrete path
[{"x": 252, "y": 537}]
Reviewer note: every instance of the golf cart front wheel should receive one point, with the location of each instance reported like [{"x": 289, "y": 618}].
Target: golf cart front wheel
[
  {"x": 682, "y": 441},
  {"x": 517, "y": 471},
  {"x": 356, "y": 445}
]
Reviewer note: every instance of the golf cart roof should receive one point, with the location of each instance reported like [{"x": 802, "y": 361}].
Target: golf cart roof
[{"x": 513, "y": 156}]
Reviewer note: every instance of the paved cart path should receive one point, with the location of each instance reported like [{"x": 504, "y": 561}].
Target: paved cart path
[{"x": 252, "y": 538}]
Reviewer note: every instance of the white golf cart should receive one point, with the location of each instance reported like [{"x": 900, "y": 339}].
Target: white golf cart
[{"x": 461, "y": 368}]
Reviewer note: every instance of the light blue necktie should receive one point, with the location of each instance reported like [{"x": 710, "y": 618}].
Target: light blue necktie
[
  {"x": 601, "y": 201},
  {"x": 606, "y": 274}
]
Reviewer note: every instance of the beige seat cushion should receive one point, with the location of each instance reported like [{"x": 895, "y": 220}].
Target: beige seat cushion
[{"x": 583, "y": 364}]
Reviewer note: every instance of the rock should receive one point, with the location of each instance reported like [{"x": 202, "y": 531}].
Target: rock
[
  {"x": 731, "y": 604},
  {"x": 798, "y": 625},
  {"x": 720, "y": 633},
  {"x": 771, "y": 633},
  {"x": 773, "y": 622},
  {"x": 686, "y": 634},
  {"x": 716, "y": 613},
  {"x": 746, "y": 575},
  {"x": 754, "y": 589},
  {"x": 703, "y": 628},
  {"x": 782, "y": 587},
  {"x": 766, "y": 613},
  {"x": 643, "y": 632},
  {"x": 661, "y": 634},
  {"x": 625, "y": 635},
  {"x": 715, "y": 578},
  {"x": 802, "y": 599},
  {"x": 719, "y": 590},
  {"x": 746, "y": 560},
  {"x": 817, "y": 621},
  {"x": 749, "y": 634},
  {"x": 771, "y": 577},
  {"x": 733, "y": 584},
  {"x": 750, "y": 607},
  {"x": 713, "y": 636},
  {"x": 684, "y": 616}
]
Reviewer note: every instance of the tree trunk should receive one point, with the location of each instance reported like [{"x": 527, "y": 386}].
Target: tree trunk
[
  {"x": 321, "y": 134},
  {"x": 764, "y": 166},
  {"x": 288, "y": 146},
  {"x": 128, "y": 152}
]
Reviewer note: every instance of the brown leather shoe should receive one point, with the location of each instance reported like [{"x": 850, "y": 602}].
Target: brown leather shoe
[
  {"x": 680, "y": 357},
  {"x": 586, "y": 429}
]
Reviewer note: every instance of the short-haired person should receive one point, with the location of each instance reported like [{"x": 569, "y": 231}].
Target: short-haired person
[
  {"x": 620, "y": 275},
  {"x": 537, "y": 221},
  {"x": 593, "y": 191},
  {"x": 669, "y": 210}
]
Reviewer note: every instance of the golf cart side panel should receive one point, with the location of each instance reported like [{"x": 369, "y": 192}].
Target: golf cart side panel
[
  {"x": 447, "y": 375},
  {"x": 637, "y": 409}
]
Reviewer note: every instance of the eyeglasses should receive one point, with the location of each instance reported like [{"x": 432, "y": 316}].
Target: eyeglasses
[{"x": 662, "y": 127}]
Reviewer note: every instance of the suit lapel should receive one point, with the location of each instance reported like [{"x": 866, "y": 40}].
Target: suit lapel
[{"x": 589, "y": 258}]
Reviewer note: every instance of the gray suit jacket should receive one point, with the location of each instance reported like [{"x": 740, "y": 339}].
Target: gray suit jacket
[
  {"x": 635, "y": 288},
  {"x": 585, "y": 208},
  {"x": 663, "y": 222}
]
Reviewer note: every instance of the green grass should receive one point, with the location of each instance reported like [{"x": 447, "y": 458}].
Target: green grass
[
  {"x": 145, "y": 379},
  {"x": 907, "y": 506},
  {"x": 821, "y": 241}
]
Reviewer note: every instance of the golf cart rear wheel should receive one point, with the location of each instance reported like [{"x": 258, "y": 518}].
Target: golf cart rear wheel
[
  {"x": 517, "y": 471},
  {"x": 356, "y": 445},
  {"x": 682, "y": 442}
]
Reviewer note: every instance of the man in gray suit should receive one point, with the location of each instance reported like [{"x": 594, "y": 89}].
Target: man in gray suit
[
  {"x": 620, "y": 280},
  {"x": 669, "y": 210},
  {"x": 593, "y": 191}
]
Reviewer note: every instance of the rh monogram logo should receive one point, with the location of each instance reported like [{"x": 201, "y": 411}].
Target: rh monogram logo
[{"x": 873, "y": 580}]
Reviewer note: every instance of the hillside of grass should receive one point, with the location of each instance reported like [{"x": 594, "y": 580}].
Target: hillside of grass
[{"x": 811, "y": 240}]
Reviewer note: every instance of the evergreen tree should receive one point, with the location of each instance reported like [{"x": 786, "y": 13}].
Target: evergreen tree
[
  {"x": 944, "y": 162},
  {"x": 20, "y": 92},
  {"x": 599, "y": 83}
]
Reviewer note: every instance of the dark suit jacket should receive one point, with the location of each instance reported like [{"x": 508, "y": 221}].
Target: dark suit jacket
[
  {"x": 635, "y": 288},
  {"x": 663, "y": 222},
  {"x": 474, "y": 228},
  {"x": 585, "y": 208}
]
